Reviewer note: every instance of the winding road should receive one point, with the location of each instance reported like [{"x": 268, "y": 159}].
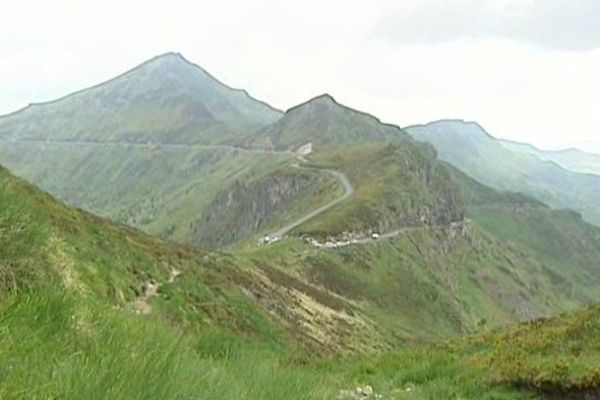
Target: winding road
[
  {"x": 125, "y": 143},
  {"x": 278, "y": 234},
  {"x": 348, "y": 191}
]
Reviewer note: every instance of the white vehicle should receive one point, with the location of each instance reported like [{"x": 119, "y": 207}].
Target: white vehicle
[{"x": 375, "y": 235}]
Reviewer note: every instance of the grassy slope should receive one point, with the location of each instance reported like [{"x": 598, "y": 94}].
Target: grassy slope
[
  {"x": 326, "y": 124},
  {"x": 397, "y": 184},
  {"x": 63, "y": 272},
  {"x": 68, "y": 281},
  {"x": 166, "y": 99},
  {"x": 550, "y": 359},
  {"x": 468, "y": 147},
  {"x": 160, "y": 190}
]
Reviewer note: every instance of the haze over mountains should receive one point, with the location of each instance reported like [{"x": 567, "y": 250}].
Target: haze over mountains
[
  {"x": 466, "y": 240},
  {"x": 166, "y": 100},
  {"x": 470, "y": 148},
  {"x": 572, "y": 159},
  {"x": 180, "y": 110},
  {"x": 325, "y": 123}
]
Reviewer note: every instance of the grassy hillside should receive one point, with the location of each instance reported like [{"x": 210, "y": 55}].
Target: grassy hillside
[
  {"x": 468, "y": 147},
  {"x": 79, "y": 320},
  {"x": 553, "y": 358},
  {"x": 397, "y": 185},
  {"x": 166, "y": 100},
  {"x": 326, "y": 124},
  {"x": 156, "y": 188}
]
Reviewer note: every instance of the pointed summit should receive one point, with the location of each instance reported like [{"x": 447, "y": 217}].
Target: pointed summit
[
  {"x": 166, "y": 99},
  {"x": 325, "y": 100},
  {"x": 326, "y": 123}
]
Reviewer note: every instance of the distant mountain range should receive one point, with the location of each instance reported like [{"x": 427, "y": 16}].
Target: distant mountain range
[
  {"x": 422, "y": 234},
  {"x": 502, "y": 166},
  {"x": 572, "y": 159}
]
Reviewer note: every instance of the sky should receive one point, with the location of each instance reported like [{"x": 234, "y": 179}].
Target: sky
[{"x": 526, "y": 70}]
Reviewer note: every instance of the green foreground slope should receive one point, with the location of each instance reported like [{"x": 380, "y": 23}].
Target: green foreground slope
[{"x": 221, "y": 326}]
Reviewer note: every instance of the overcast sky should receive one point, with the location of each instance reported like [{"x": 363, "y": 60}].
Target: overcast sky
[{"x": 526, "y": 70}]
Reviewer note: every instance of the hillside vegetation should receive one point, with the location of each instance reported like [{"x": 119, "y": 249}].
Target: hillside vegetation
[
  {"x": 472, "y": 150},
  {"x": 91, "y": 308},
  {"x": 79, "y": 321},
  {"x": 164, "y": 100},
  {"x": 325, "y": 123}
]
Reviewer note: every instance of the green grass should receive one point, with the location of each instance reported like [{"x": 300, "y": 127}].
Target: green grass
[
  {"x": 55, "y": 346},
  {"x": 274, "y": 322},
  {"x": 388, "y": 195}
]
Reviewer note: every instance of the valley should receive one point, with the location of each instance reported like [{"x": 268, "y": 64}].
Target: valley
[{"x": 183, "y": 237}]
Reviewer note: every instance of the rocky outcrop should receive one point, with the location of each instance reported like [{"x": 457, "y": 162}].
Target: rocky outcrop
[{"x": 247, "y": 207}]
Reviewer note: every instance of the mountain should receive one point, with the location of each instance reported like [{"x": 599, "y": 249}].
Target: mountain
[
  {"x": 104, "y": 309},
  {"x": 325, "y": 123},
  {"x": 164, "y": 100},
  {"x": 571, "y": 159},
  {"x": 141, "y": 148},
  {"x": 386, "y": 251},
  {"x": 470, "y": 148}
]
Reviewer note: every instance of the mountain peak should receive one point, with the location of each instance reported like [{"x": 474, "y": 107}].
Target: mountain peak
[
  {"x": 323, "y": 101},
  {"x": 169, "y": 60},
  {"x": 324, "y": 98}
]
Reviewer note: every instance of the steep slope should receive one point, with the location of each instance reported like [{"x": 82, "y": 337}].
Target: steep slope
[
  {"x": 545, "y": 359},
  {"x": 140, "y": 148},
  {"x": 245, "y": 209},
  {"x": 397, "y": 185},
  {"x": 468, "y": 147},
  {"x": 326, "y": 124},
  {"x": 164, "y": 100},
  {"x": 159, "y": 189},
  {"x": 90, "y": 309},
  {"x": 571, "y": 159}
]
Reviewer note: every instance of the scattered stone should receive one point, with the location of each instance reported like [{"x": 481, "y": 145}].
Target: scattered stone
[
  {"x": 360, "y": 393},
  {"x": 174, "y": 274},
  {"x": 151, "y": 289}
]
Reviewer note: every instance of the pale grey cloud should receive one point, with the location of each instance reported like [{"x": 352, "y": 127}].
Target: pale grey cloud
[{"x": 560, "y": 24}]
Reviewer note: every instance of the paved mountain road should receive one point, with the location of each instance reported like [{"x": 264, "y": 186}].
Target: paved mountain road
[
  {"x": 124, "y": 143},
  {"x": 348, "y": 191}
]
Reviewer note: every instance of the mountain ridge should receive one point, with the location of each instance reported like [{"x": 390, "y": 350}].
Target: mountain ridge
[
  {"x": 473, "y": 150},
  {"x": 148, "y": 62}
]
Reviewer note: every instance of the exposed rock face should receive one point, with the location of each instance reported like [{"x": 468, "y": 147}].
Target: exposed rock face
[{"x": 248, "y": 207}]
